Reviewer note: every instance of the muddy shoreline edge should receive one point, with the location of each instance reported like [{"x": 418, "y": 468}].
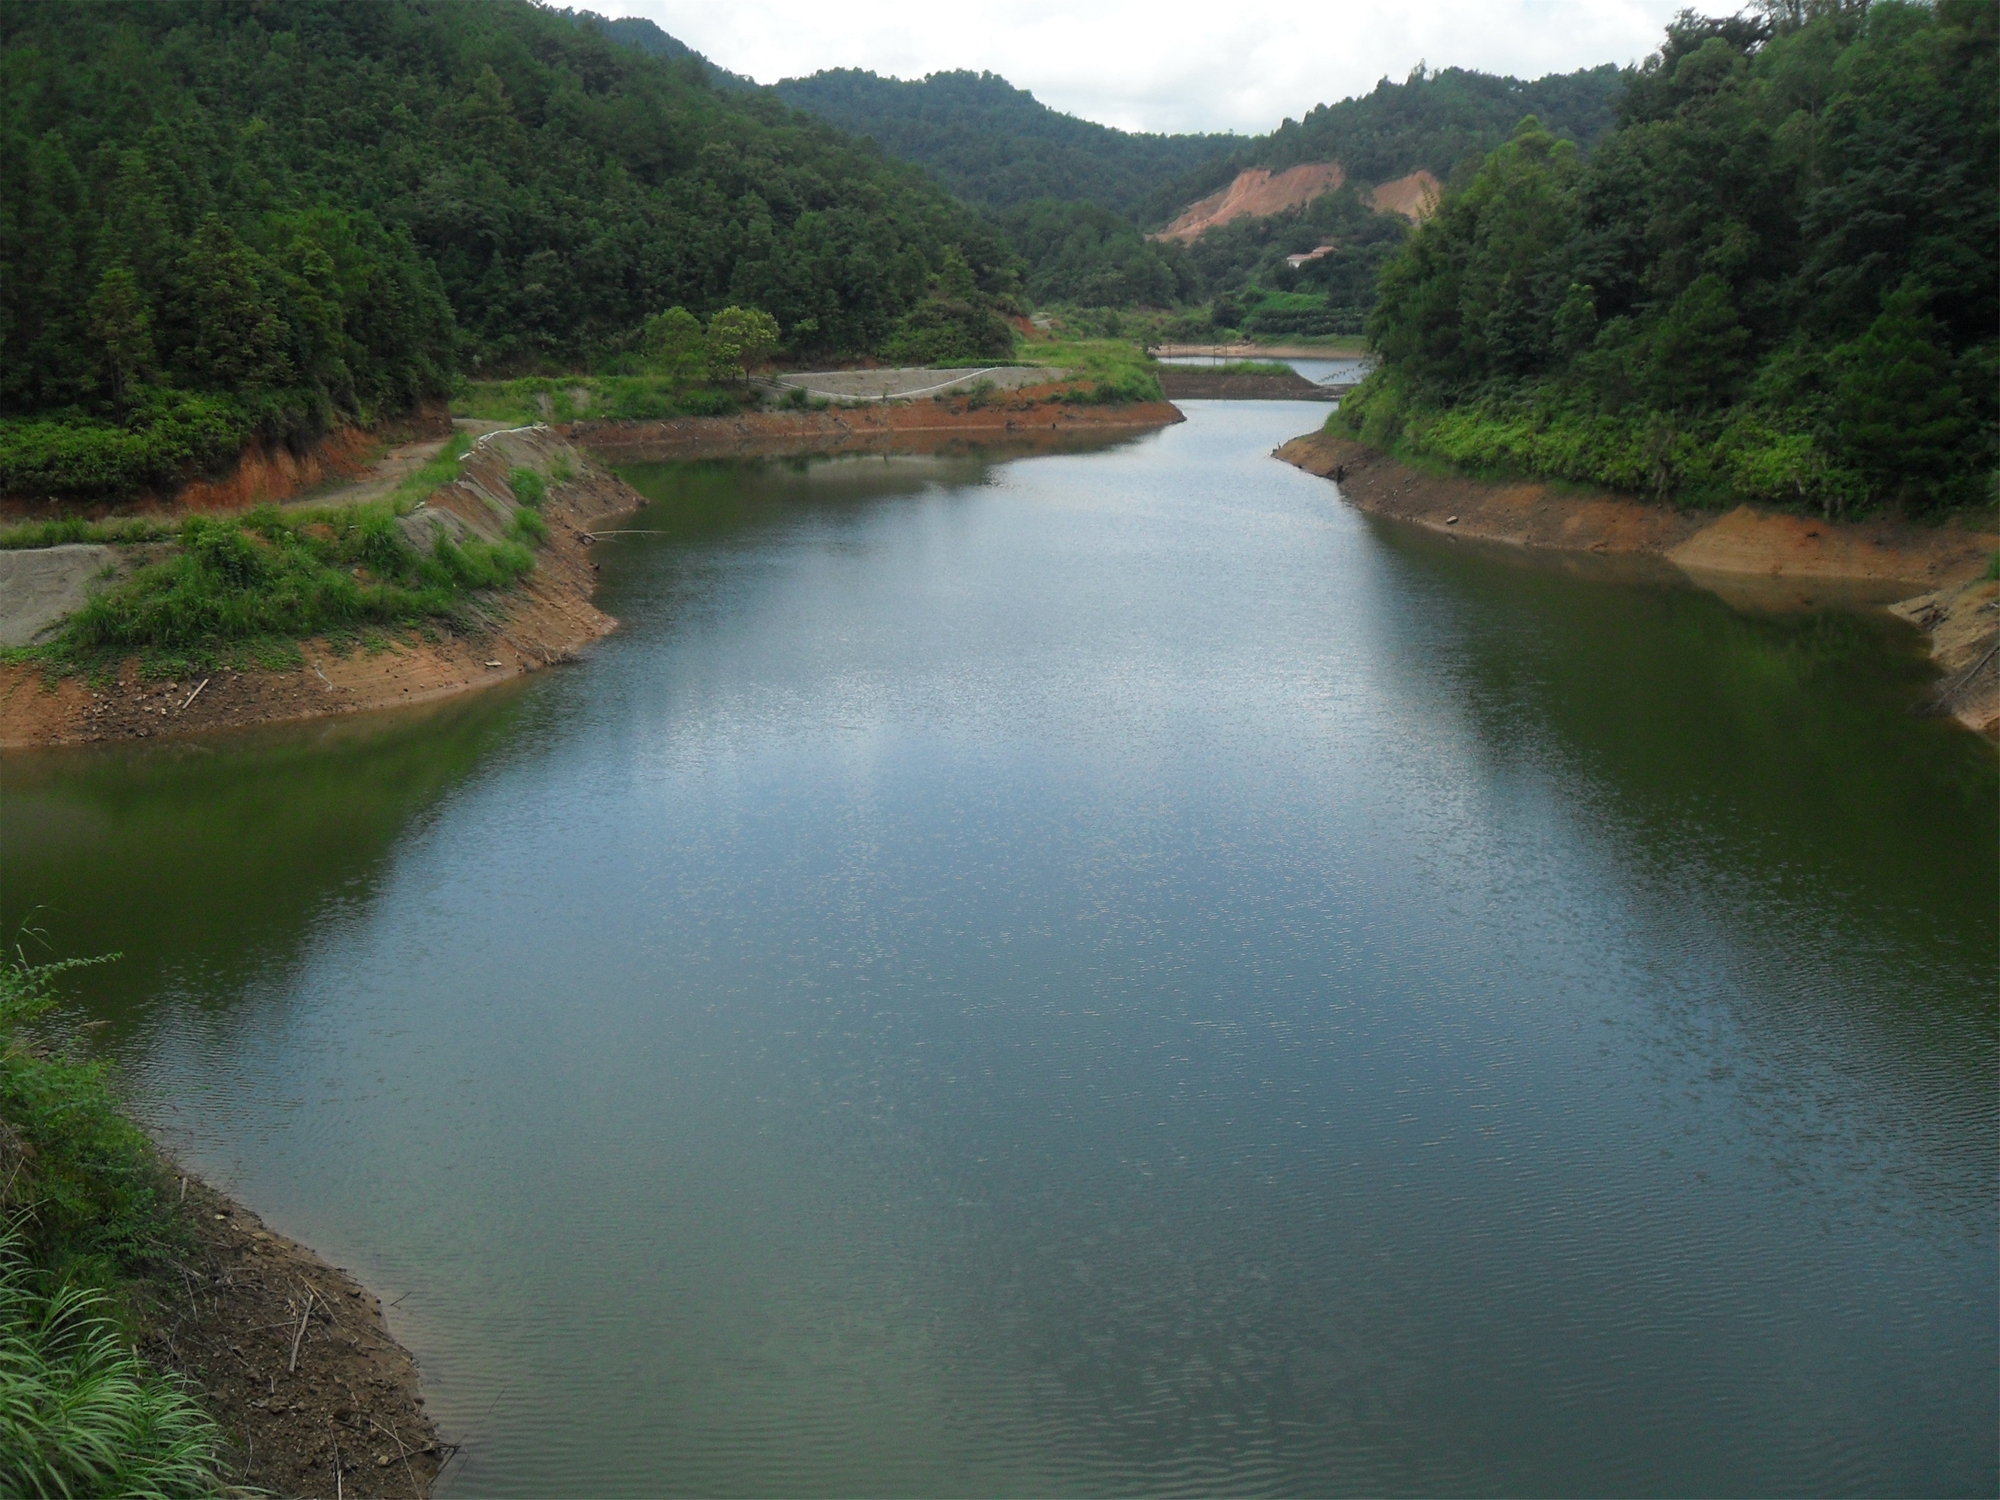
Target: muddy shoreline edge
[
  {"x": 293, "y": 1356},
  {"x": 1934, "y": 577}
]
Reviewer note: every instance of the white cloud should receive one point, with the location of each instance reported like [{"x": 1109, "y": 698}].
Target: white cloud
[{"x": 1166, "y": 66}]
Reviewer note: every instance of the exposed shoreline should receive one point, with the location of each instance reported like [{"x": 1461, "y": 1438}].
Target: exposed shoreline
[
  {"x": 343, "y": 1400},
  {"x": 900, "y": 425},
  {"x": 1761, "y": 559},
  {"x": 548, "y": 617}
]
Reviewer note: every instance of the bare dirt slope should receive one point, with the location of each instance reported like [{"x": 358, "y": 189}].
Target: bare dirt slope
[
  {"x": 1257, "y": 191},
  {"x": 1964, "y": 625},
  {"x": 1260, "y": 192},
  {"x": 1755, "y": 558},
  {"x": 1415, "y": 197}
]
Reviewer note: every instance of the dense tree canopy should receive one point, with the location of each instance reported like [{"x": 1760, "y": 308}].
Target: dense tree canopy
[
  {"x": 1085, "y": 255},
  {"x": 999, "y": 146},
  {"x": 1776, "y": 277},
  {"x": 218, "y": 216}
]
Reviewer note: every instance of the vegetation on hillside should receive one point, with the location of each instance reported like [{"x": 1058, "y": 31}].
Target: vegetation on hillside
[
  {"x": 998, "y": 146},
  {"x": 1075, "y": 197},
  {"x": 1437, "y": 119},
  {"x": 1775, "y": 280},
  {"x": 220, "y": 221},
  {"x": 1084, "y": 255},
  {"x": 637, "y": 31},
  {"x": 1261, "y": 294}
]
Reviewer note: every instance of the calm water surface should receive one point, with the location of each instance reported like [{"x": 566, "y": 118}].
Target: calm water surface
[{"x": 1104, "y": 973}]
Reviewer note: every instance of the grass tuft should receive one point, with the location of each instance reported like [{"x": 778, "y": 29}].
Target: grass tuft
[
  {"x": 80, "y": 1412},
  {"x": 529, "y": 487},
  {"x": 84, "y": 1209}
]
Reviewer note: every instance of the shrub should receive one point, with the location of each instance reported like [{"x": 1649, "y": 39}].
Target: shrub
[
  {"x": 80, "y": 1412},
  {"x": 274, "y": 576},
  {"x": 78, "y": 1181},
  {"x": 737, "y": 338},
  {"x": 528, "y": 486},
  {"x": 674, "y": 346},
  {"x": 159, "y": 446},
  {"x": 939, "y": 330}
]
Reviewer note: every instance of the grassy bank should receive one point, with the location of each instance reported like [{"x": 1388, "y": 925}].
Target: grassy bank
[
  {"x": 570, "y": 398},
  {"x": 244, "y": 590},
  {"x": 1709, "y": 460},
  {"x": 1104, "y": 370},
  {"x": 87, "y": 1217},
  {"x": 1246, "y": 367}
]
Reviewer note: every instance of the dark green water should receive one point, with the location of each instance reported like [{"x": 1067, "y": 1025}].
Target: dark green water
[{"x": 1104, "y": 973}]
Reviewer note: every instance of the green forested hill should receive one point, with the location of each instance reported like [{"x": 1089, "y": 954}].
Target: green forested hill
[
  {"x": 997, "y": 145},
  {"x": 219, "y": 218},
  {"x": 1074, "y": 195},
  {"x": 637, "y": 31},
  {"x": 1435, "y": 121},
  {"x": 1775, "y": 279}
]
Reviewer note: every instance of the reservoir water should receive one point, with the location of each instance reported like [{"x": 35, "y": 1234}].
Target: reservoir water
[{"x": 1104, "y": 972}]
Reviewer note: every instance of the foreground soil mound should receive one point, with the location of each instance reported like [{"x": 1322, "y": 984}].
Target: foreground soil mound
[
  {"x": 540, "y": 621},
  {"x": 1753, "y": 558}
]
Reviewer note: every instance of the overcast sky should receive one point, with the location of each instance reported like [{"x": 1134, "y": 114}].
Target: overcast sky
[{"x": 1148, "y": 65}]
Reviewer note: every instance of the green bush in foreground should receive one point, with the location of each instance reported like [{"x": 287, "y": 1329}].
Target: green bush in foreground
[
  {"x": 267, "y": 574},
  {"x": 80, "y": 1412},
  {"x": 78, "y": 1182}
]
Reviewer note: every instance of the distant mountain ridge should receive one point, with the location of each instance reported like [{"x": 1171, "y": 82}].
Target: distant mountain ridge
[
  {"x": 1431, "y": 122},
  {"x": 995, "y": 145},
  {"x": 640, "y": 33},
  {"x": 999, "y": 146}
]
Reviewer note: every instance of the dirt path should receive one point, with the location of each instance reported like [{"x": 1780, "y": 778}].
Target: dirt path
[
  {"x": 910, "y": 381},
  {"x": 1752, "y": 558}
]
